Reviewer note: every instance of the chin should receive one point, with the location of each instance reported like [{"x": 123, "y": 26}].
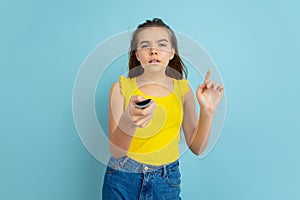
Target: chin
[{"x": 154, "y": 67}]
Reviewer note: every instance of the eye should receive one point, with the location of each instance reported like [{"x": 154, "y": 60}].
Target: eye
[
  {"x": 162, "y": 45},
  {"x": 145, "y": 46}
]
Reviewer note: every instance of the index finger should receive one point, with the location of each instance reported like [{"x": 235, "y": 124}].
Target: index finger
[
  {"x": 135, "y": 99},
  {"x": 207, "y": 77}
]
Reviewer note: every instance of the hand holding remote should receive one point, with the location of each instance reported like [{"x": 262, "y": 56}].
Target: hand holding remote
[{"x": 140, "y": 110}]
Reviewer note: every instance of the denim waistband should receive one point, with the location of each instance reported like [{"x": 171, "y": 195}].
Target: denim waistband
[{"x": 129, "y": 165}]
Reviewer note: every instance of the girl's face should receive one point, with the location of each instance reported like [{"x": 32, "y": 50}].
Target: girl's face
[{"x": 154, "y": 48}]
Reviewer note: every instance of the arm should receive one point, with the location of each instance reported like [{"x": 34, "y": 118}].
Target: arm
[
  {"x": 197, "y": 131},
  {"x": 122, "y": 123}
]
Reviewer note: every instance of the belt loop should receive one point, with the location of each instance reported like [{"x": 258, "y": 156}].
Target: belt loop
[
  {"x": 164, "y": 171},
  {"x": 123, "y": 161}
]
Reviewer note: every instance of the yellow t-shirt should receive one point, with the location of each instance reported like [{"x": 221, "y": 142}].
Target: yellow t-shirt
[{"x": 157, "y": 143}]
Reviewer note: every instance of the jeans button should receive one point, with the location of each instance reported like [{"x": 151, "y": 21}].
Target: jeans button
[{"x": 146, "y": 168}]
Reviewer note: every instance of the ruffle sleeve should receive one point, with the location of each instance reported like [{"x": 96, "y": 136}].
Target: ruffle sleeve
[
  {"x": 184, "y": 86},
  {"x": 123, "y": 85}
]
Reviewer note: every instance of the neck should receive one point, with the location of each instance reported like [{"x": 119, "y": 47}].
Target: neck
[{"x": 153, "y": 77}]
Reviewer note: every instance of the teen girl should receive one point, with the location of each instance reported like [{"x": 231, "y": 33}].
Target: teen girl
[{"x": 144, "y": 141}]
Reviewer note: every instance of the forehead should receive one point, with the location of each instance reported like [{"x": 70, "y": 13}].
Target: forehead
[{"x": 153, "y": 34}]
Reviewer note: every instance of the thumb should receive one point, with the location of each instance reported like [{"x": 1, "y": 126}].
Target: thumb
[
  {"x": 201, "y": 88},
  {"x": 136, "y": 98}
]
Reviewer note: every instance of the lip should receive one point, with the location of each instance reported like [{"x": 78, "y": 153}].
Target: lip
[{"x": 154, "y": 61}]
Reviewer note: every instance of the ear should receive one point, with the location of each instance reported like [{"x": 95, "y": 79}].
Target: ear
[
  {"x": 137, "y": 55},
  {"x": 172, "y": 54}
]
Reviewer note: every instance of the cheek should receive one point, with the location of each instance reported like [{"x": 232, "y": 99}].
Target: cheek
[
  {"x": 142, "y": 53},
  {"x": 166, "y": 52},
  {"x": 167, "y": 55}
]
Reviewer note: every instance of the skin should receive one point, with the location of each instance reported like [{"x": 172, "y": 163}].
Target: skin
[{"x": 155, "y": 44}]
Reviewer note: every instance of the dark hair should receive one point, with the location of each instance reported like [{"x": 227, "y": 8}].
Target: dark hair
[{"x": 176, "y": 67}]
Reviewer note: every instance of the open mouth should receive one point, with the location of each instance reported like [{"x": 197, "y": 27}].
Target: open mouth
[{"x": 154, "y": 61}]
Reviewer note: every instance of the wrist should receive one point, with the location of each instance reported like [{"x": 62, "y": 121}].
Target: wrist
[
  {"x": 206, "y": 112},
  {"x": 126, "y": 124}
]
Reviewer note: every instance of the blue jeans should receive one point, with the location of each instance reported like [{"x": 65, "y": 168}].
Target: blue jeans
[{"x": 127, "y": 179}]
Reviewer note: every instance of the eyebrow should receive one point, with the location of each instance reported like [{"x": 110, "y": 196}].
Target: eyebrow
[{"x": 161, "y": 40}]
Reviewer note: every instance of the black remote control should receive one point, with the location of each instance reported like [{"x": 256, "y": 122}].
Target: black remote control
[{"x": 143, "y": 104}]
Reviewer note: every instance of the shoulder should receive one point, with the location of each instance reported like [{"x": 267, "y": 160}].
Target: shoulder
[
  {"x": 183, "y": 82},
  {"x": 115, "y": 89},
  {"x": 124, "y": 81},
  {"x": 123, "y": 85},
  {"x": 184, "y": 86},
  {"x": 115, "y": 85},
  {"x": 115, "y": 93}
]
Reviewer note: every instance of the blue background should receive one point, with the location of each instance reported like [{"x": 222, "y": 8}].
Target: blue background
[{"x": 255, "y": 45}]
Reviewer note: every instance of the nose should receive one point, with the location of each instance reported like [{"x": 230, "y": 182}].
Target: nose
[{"x": 153, "y": 51}]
